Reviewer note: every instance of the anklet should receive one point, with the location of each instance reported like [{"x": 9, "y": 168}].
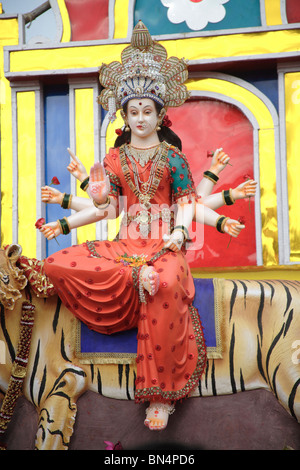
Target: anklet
[{"x": 170, "y": 409}]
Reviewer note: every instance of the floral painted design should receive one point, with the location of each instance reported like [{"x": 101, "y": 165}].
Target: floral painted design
[{"x": 196, "y": 13}]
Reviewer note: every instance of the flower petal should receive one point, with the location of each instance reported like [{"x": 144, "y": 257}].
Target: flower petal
[{"x": 40, "y": 222}]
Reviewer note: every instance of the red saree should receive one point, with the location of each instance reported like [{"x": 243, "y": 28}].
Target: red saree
[{"x": 99, "y": 283}]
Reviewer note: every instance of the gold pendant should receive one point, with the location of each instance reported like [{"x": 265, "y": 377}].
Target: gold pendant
[
  {"x": 145, "y": 200},
  {"x": 145, "y": 186}
]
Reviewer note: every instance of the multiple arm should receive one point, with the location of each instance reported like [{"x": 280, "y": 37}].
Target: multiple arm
[
  {"x": 187, "y": 212},
  {"x": 66, "y": 201},
  {"x": 214, "y": 201},
  {"x": 85, "y": 216},
  {"x": 101, "y": 206},
  {"x": 219, "y": 161},
  {"x": 204, "y": 211}
]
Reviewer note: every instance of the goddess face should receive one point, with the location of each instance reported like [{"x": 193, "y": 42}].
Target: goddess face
[{"x": 142, "y": 117}]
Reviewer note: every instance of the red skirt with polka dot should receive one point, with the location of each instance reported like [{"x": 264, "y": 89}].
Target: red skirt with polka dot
[{"x": 103, "y": 293}]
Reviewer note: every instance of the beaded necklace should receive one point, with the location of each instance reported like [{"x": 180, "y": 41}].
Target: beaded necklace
[
  {"x": 143, "y": 156},
  {"x": 144, "y": 191}
]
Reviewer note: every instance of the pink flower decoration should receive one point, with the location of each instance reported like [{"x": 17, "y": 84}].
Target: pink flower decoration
[
  {"x": 39, "y": 223},
  {"x": 111, "y": 446},
  {"x": 166, "y": 121},
  {"x": 54, "y": 181}
]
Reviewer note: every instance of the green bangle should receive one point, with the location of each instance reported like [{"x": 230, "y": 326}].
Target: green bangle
[
  {"x": 227, "y": 196},
  {"x": 65, "y": 228},
  {"x": 183, "y": 229},
  {"x": 85, "y": 183},
  {"x": 211, "y": 176},
  {"x": 65, "y": 204},
  {"x": 220, "y": 223}
]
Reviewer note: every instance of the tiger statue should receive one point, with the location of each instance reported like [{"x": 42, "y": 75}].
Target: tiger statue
[{"x": 260, "y": 331}]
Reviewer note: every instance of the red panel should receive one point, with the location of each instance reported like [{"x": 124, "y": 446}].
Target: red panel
[
  {"x": 205, "y": 125},
  {"x": 89, "y": 19},
  {"x": 293, "y": 11}
]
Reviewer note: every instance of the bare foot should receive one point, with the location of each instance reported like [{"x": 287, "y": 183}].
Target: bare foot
[
  {"x": 157, "y": 416},
  {"x": 150, "y": 280}
]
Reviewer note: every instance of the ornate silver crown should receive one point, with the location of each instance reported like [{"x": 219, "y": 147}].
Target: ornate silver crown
[
  {"x": 142, "y": 79},
  {"x": 145, "y": 72}
]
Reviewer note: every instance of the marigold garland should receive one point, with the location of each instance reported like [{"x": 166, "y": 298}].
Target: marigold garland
[{"x": 133, "y": 260}]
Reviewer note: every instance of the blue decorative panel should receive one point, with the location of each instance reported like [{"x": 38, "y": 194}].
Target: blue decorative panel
[{"x": 57, "y": 139}]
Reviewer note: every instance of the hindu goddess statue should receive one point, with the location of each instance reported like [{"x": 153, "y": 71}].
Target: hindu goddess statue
[{"x": 142, "y": 279}]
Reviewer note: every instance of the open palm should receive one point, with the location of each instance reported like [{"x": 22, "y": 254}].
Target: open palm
[{"x": 99, "y": 184}]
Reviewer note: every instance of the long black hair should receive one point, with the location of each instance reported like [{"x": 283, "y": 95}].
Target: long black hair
[{"x": 165, "y": 134}]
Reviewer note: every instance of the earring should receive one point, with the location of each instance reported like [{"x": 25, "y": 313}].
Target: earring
[
  {"x": 160, "y": 119},
  {"x": 127, "y": 128}
]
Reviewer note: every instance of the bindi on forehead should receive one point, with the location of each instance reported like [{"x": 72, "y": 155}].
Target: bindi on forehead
[{"x": 141, "y": 105}]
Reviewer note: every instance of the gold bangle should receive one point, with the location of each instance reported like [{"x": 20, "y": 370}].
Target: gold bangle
[
  {"x": 211, "y": 176},
  {"x": 64, "y": 226},
  {"x": 60, "y": 226},
  {"x": 223, "y": 224},
  {"x": 104, "y": 205}
]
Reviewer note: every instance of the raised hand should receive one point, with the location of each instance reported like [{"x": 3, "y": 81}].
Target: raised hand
[
  {"x": 233, "y": 227},
  {"x": 220, "y": 160},
  {"x": 244, "y": 190},
  {"x": 99, "y": 184},
  {"x": 76, "y": 168},
  {"x": 51, "y": 195}
]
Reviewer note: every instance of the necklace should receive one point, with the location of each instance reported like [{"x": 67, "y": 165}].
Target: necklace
[
  {"x": 144, "y": 191},
  {"x": 143, "y": 155}
]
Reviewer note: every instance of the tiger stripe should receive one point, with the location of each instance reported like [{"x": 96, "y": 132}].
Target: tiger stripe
[{"x": 260, "y": 323}]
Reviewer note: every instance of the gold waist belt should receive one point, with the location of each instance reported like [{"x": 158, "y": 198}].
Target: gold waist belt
[{"x": 145, "y": 218}]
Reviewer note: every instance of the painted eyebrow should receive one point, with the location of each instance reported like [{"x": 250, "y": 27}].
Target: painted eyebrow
[{"x": 147, "y": 107}]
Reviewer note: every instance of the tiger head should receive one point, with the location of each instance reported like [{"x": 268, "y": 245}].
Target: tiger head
[{"x": 12, "y": 279}]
